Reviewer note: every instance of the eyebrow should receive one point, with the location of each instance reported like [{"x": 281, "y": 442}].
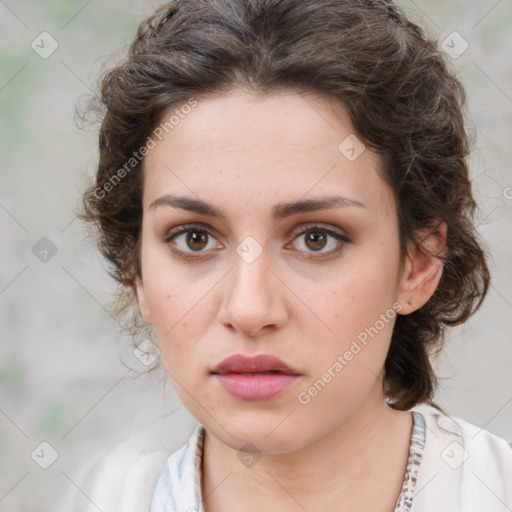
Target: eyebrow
[{"x": 280, "y": 211}]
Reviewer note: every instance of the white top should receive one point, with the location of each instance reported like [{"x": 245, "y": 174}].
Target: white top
[
  {"x": 179, "y": 484},
  {"x": 463, "y": 468}
]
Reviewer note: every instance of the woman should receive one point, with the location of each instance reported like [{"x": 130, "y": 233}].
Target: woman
[{"x": 283, "y": 191}]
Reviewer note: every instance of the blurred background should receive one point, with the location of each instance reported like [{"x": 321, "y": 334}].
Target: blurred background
[{"x": 68, "y": 373}]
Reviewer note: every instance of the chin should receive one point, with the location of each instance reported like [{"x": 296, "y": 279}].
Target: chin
[{"x": 250, "y": 432}]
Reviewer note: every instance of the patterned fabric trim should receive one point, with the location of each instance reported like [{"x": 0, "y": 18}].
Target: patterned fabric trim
[
  {"x": 198, "y": 507},
  {"x": 404, "y": 502}
]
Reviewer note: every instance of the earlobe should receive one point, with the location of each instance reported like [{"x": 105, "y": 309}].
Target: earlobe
[
  {"x": 141, "y": 299},
  {"x": 422, "y": 270}
]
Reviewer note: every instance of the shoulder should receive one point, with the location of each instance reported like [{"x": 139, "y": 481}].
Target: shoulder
[
  {"x": 178, "y": 487},
  {"x": 476, "y": 437},
  {"x": 123, "y": 478},
  {"x": 464, "y": 467}
]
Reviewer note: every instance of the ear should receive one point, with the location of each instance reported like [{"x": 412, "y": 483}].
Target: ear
[
  {"x": 422, "y": 272},
  {"x": 141, "y": 299}
]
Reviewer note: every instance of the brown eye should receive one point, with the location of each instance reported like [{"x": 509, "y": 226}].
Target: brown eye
[
  {"x": 187, "y": 240},
  {"x": 316, "y": 238},
  {"x": 196, "y": 240}
]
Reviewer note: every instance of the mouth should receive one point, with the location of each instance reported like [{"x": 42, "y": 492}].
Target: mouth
[
  {"x": 250, "y": 365},
  {"x": 270, "y": 372},
  {"x": 255, "y": 378}
]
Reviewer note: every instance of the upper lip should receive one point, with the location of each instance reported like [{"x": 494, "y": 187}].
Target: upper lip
[{"x": 240, "y": 363}]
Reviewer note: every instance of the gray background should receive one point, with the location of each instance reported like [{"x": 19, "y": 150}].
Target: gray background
[{"x": 65, "y": 364}]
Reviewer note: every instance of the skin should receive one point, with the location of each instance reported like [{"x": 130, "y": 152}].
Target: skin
[{"x": 302, "y": 302}]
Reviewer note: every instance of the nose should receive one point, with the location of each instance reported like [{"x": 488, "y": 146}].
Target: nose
[{"x": 254, "y": 298}]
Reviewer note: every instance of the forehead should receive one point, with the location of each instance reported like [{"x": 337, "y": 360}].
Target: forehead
[
  {"x": 284, "y": 146},
  {"x": 285, "y": 119}
]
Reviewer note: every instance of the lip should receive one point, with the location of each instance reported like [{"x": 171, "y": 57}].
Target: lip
[
  {"x": 241, "y": 363},
  {"x": 246, "y": 377}
]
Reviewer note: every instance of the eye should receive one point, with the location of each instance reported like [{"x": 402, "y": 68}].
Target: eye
[
  {"x": 190, "y": 239},
  {"x": 317, "y": 239}
]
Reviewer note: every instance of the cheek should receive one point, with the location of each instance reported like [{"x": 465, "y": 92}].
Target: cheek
[
  {"x": 177, "y": 313},
  {"x": 347, "y": 365},
  {"x": 353, "y": 297},
  {"x": 172, "y": 289},
  {"x": 357, "y": 307},
  {"x": 179, "y": 301}
]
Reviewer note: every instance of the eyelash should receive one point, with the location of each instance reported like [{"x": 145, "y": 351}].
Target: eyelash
[{"x": 341, "y": 239}]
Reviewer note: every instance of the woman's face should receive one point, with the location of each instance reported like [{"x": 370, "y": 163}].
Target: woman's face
[{"x": 267, "y": 278}]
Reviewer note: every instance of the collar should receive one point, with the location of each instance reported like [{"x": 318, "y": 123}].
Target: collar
[{"x": 179, "y": 485}]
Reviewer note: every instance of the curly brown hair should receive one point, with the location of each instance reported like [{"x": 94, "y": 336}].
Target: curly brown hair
[{"x": 403, "y": 98}]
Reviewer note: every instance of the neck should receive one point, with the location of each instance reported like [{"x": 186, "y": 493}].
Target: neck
[{"x": 372, "y": 445}]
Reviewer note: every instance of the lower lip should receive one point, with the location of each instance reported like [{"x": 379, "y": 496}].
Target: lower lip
[{"x": 255, "y": 387}]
